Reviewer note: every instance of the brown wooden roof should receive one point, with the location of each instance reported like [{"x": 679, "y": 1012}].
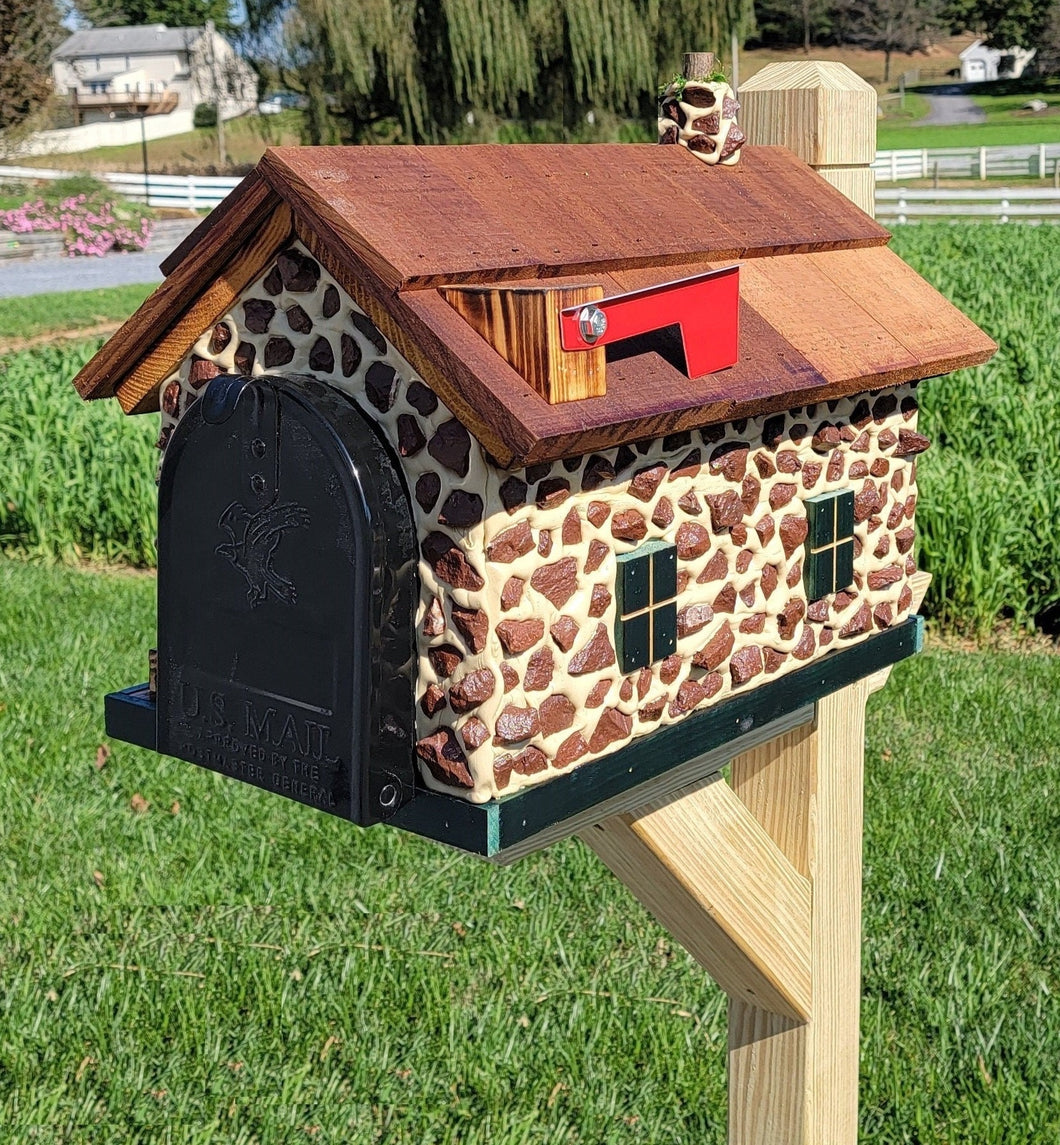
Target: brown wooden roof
[{"x": 826, "y": 309}]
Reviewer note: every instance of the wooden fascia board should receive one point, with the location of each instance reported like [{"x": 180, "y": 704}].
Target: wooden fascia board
[{"x": 198, "y": 292}]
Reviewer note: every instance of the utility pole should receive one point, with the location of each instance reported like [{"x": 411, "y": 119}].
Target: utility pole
[{"x": 222, "y": 158}]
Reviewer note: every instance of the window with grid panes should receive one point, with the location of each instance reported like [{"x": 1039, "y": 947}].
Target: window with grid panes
[
  {"x": 829, "y": 564},
  {"x": 646, "y": 600}
]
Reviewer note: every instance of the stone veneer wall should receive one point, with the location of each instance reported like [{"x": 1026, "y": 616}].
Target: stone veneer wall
[{"x": 518, "y": 675}]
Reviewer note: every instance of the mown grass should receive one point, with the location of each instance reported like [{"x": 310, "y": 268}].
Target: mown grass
[
  {"x": 239, "y": 968},
  {"x": 63, "y": 312}
]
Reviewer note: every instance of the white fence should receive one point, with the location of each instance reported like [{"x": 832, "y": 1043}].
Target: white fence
[
  {"x": 1036, "y": 160},
  {"x": 1005, "y": 205},
  {"x": 194, "y": 191},
  {"x": 113, "y": 133}
]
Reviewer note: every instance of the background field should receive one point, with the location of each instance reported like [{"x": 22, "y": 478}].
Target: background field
[{"x": 186, "y": 959}]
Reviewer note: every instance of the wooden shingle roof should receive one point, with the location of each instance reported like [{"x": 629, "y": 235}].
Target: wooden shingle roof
[{"x": 826, "y": 309}]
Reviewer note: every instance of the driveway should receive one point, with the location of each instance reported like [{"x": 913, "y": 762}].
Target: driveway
[{"x": 949, "y": 105}]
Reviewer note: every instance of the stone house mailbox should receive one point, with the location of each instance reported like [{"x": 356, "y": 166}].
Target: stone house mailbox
[{"x": 509, "y": 490}]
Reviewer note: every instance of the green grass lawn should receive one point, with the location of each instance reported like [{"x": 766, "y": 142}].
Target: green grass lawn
[
  {"x": 22, "y": 318},
  {"x": 187, "y": 959}
]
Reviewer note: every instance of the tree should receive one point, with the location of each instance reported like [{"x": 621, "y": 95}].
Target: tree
[
  {"x": 785, "y": 21},
  {"x": 172, "y": 13},
  {"x": 891, "y": 26},
  {"x": 29, "y": 30},
  {"x": 1005, "y": 23},
  {"x": 415, "y": 69}
]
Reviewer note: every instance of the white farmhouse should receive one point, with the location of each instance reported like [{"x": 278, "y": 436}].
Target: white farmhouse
[{"x": 119, "y": 73}]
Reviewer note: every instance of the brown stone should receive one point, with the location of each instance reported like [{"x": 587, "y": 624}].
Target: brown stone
[
  {"x": 644, "y": 679},
  {"x": 670, "y": 669},
  {"x": 539, "y": 671},
  {"x": 536, "y": 473},
  {"x": 368, "y": 330},
  {"x": 473, "y": 689},
  {"x": 513, "y": 494},
  {"x": 422, "y": 399},
  {"x": 220, "y": 337},
  {"x": 730, "y": 460},
  {"x": 646, "y": 482},
  {"x": 203, "y": 371},
  {"x": 564, "y": 631},
  {"x": 909, "y": 407},
  {"x": 512, "y": 593},
  {"x": 897, "y": 480},
  {"x": 434, "y": 618},
  {"x": 518, "y": 635},
  {"x": 257, "y": 314},
  {"x": 298, "y": 320},
  {"x": 781, "y": 494},
  {"x": 753, "y": 624},
  {"x": 330, "y": 304},
  {"x": 715, "y": 651},
  {"x": 595, "y": 558},
  {"x": 557, "y": 714},
  {"x": 530, "y": 761},
  {"x": 449, "y": 563},
  {"x": 905, "y": 598},
  {"x": 663, "y": 515},
  {"x": 794, "y": 574},
  {"x": 880, "y": 467},
  {"x": 725, "y": 601},
  {"x": 629, "y": 525},
  {"x": 451, "y": 447},
  {"x": 747, "y": 594},
  {"x": 571, "y": 749},
  {"x": 598, "y": 471},
  {"x": 502, "y": 771},
  {"x": 862, "y": 443},
  {"x": 411, "y": 438},
  {"x": 597, "y": 513},
  {"x": 883, "y": 407},
  {"x": 910, "y": 443},
  {"x": 688, "y": 466},
  {"x": 883, "y": 614},
  {"x": 171, "y": 399},
  {"x": 793, "y": 530},
  {"x": 690, "y": 503},
  {"x": 380, "y": 388},
  {"x": 811, "y": 474},
  {"x": 552, "y": 492},
  {"x": 743, "y": 560},
  {"x": 473, "y": 624},
  {"x": 461, "y": 509},
  {"x": 788, "y": 620},
  {"x": 649, "y": 713},
  {"x": 557, "y": 582},
  {"x": 474, "y": 733},
  {"x": 444, "y": 759},
  {"x": 772, "y": 659},
  {"x": 600, "y": 600},
  {"x": 693, "y": 618},
  {"x": 860, "y": 622},
  {"x": 818, "y": 610},
  {"x": 544, "y": 542},
  {"x": 510, "y": 544},
  {"x": 612, "y": 726},
  {"x": 299, "y": 273},
  {"x": 768, "y": 580},
  {"x": 428, "y": 487},
  {"x": 273, "y": 283},
  {"x": 516, "y": 724},
  {"x": 509, "y": 676},
  {"x": 904, "y": 539},
  {"x": 278, "y": 352},
  {"x": 572, "y": 528},
  {"x": 764, "y": 465},
  {"x": 322, "y": 356},
  {"x": 625, "y": 692},
  {"x": 788, "y": 461},
  {"x": 599, "y": 693},
  {"x": 745, "y": 665},
  {"x": 765, "y": 529},
  {"x": 883, "y": 547},
  {"x": 692, "y": 539},
  {"x": 750, "y": 491},
  {"x": 806, "y": 646},
  {"x": 445, "y": 659},
  {"x": 349, "y": 355},
  {"x": 826, "y": 438},
  {"x": 693, "y": 692},
  {"x": 836, "y": 465},
  {"x": 596, "y": 654},
  {"x": 858, "y": 469},
  {"x": 432, "y": 700},
  {"x": 865, "y": 502},
  {"x": 715, "y": 569},
  {"x": 881, "y": 578},
  {"x": 896, "y": 516},
  {"x": 726, "y": 510}
]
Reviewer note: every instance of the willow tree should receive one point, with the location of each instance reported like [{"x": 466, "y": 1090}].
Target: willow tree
[{"x": 415, "y": 69}]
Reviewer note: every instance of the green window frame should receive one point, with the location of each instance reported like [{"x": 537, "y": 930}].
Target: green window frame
[
  {"x": 646, "y": 604},
  {"x": 829, "y": 564}
]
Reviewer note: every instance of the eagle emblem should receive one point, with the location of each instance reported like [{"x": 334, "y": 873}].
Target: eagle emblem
[{"x": 252, "y": 552}]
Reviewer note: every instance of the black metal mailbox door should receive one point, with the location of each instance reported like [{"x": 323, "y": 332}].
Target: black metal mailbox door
[{"x": 286, "y": 597}]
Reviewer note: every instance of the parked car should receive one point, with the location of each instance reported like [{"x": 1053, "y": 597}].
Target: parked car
[{"x": 278, "y": 101}]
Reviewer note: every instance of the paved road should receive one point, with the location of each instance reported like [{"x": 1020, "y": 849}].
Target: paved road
[
  {"x": 22, "y": 277},
  {"x": 949, "y": 106}
]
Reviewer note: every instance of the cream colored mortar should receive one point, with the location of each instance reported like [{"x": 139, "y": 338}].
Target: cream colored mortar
[{"x": 485, "y": 480}]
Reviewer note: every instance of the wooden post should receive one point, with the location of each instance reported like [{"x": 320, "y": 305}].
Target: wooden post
[{"x": 825, "y": 114}]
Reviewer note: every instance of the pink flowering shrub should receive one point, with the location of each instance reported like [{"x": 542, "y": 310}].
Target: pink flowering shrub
[{"x": 88, "y": 227}]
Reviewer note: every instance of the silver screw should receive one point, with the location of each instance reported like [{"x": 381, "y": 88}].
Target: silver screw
[
  {"x": 388, "y": 796},
  {"x": 592, "y": 323}
]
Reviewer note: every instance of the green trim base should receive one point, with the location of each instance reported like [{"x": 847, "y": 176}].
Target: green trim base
[{"x": 489, "y": 829}]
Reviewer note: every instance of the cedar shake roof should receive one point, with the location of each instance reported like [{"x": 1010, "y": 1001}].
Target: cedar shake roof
[{"x": 826, "y": 310}]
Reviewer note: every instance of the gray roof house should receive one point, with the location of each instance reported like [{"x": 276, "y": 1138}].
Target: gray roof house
[{"x": 118, "y": 73}]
